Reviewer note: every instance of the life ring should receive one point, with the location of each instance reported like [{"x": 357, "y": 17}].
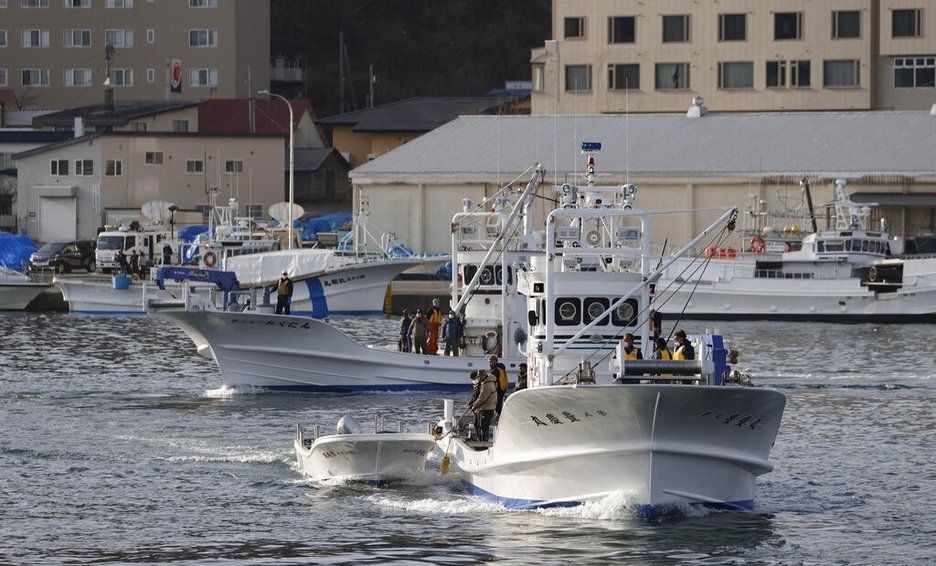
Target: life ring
[
  {"x": 757, "y": 245},
  {"x": 490, "y": 342},
  {"x": 872, "y": 273},
  {"x": 210, "y": 259}
]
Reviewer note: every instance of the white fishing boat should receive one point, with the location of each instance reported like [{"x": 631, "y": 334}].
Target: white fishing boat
[
  {"x": 17, "y": 289},
  {"x": 848, "y": 273},
  {"x": 255, "y": 348},
  {"x": 352, "y": 455},
  {"x": 591, "y": 424}
]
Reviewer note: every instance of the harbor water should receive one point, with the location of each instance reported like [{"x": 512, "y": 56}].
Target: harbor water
[{"x": 119, "y": 446}]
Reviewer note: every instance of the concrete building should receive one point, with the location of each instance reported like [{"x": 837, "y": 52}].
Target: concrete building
[
  {"x": 637, "y": 56},
  {"x": 754, "y": 161},
  {"x": 70, "y": 189},
  {"x": 58, "y": 53}
]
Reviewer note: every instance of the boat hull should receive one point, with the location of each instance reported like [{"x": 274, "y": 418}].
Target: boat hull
[
  {"x": 373, "y": 458},
  {"x": 660, "y": 445},
  {"x": 16, "y": 296},
  {"x": 282, "y": 352}
]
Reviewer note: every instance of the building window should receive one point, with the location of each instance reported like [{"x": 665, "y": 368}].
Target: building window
[
  {"x": 119, "y": 3},
  {"x": 150, "y": 36},
  {"x": 778, "y": 71},
  {"x": 203, "y": 3},
  {"x": 154, "y": 158},
  {"x": 788, "y": 25},
  {"x": 118, "y": 37},
  {"x": 914, "y": 72},
  {"x": 234, "y": 166},
  {"x": 840, "y": 73},
  {"x": 3, "y": 38},
  {"x": 35, "y": 77},
  {"x": 622, "y": 29},
  {"x": 624, "y": 77},
  {"x": 675, "y": 29},
  {"x": 78, "y": 77},
  {"x": 3, "y": 77},
  {"x": 194, "y": 166},
  {"x": 736, "y": 75},
  {"x": 203, "y": 38},
  {"x": 906, "y": 23},
  {"x": 3, "y": 3},
  {"x": 77, "y": 3},
  {"x": 574, "y": 28},
  {"x": 58, "y": 167},
  {"x": 137, "y": 126},
  {"x": 539, "y": 78},
  {"x": 672, "y": 76},
  {"x": 122, "y": 77},
  {"x": 732, "y": 27},
  {"x": 151, "y": 75},
  {"x": 84, "y": 167},
  {"x": 113, "y": 168},
  {"x": 35, "y": 3},
  {"x": 577, "y": 78},
  {"x": 180, "y": 125},
  {"x": 846, "y": 25},
  {"x": 35, "y": 38},
  {"x": 203, "y": 77},
  {"x": 77, "y": 38}
]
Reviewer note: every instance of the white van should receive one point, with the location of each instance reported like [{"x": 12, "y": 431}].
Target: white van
[{"x": 149, "y": 245}]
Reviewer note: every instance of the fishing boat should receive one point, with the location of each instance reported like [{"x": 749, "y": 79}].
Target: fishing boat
[
  {"x": 591, "y": 423},
  {"x": 848, "y": 273},
  {"x": 256, "y": 348},
  {"x": 352, "y": 455},
  {"x": 17, "y": 289}
]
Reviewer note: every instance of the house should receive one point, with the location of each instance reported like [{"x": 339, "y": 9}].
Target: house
[{"x": 693, "y": 160}]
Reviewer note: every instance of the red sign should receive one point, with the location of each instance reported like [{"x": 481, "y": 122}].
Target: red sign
[{"x": 175, "y": 75}]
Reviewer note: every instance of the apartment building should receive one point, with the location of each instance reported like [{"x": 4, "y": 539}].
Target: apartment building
[
  {"x": 61, "y": 53},
  {"x": 621, "y": 56}
]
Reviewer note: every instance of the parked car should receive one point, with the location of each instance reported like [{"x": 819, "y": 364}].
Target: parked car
[{"x": 64, "y": 256}]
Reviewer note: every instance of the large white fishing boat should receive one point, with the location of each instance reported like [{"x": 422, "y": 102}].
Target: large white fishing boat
[
  {"x": 848, "y": 273},
  {"x": 590, "y": 423},
  {"x": 258, "y": 349}
]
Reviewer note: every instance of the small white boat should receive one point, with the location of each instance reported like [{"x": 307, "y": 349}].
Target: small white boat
[
  {"x": 352, "y": 455},
  {"x": 17, "y": 289},
  {"x": 591, "y": 423}
]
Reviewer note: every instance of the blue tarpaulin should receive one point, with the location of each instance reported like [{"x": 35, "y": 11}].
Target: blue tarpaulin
[{"x": 15, "y": 250}]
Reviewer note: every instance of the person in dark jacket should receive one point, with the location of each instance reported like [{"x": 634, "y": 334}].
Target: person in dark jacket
[
  {"x": 452, "y": 330},
  {"x": 284, "y": 291}
]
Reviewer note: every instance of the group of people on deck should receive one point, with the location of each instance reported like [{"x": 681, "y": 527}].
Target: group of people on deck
[
  {"x": 420, "y": 332},
  {"x": 488, "y": 390}
]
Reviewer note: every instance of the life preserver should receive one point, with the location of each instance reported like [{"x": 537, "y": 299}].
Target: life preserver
[
  {"x": 210, "y": 259},
  {"x": 490, "y": 342},
  {"x": 757, "y": 245},
  {"x": 872, "y": 273}
]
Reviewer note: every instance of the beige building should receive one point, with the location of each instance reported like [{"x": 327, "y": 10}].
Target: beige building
[
  {"x": 59, "y": 53},
  {"x": 70, "y": 189},
  {"x": 620, "y": 56}
]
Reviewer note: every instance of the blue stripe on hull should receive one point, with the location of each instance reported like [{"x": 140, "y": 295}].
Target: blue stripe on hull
[{"x": 359, "y": 388}]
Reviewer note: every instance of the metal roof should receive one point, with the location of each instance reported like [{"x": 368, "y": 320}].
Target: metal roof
[
  {"x": 828, "y": 144},
  {"x": 118, "y": 114},
  {"x": 420, "y": 114}
]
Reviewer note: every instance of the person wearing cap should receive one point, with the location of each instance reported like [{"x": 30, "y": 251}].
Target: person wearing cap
[
  {"x": 485, "y": 404},
  {"x": 419, "y": 328},
  {"x": 452, "y": 333},
  {"x": 684, "y": 350},
  {"x": 284, "y": 291},
  {"x": 521, "y": 382}
]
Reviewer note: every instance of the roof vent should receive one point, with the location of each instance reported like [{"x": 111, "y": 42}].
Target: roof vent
[{"x": 697, "y": 109}]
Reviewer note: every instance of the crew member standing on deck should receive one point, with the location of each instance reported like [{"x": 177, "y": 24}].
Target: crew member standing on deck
[
  {"x": 284, "y": 291},
  {"x": 434, "y": 315}
]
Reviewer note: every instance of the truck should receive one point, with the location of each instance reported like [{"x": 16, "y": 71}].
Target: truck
[{"x": 147, "y": 244}]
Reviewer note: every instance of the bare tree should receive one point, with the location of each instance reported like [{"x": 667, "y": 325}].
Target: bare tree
[{"x": 7, "y": 194}]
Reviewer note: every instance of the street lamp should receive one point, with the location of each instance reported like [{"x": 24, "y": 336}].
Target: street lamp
[{"x": 292, "y": 194}]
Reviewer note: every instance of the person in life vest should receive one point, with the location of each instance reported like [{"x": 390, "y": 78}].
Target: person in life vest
[
  {"x": 684, "y": 350},
  {"x": 419, "y": 328},
  {"x": 631, "y": 352},
  {"x": 662, "y": 352},
  {"x": 284, "y": 291},
  {"x": 434, "y": 315},
  {"x": 499, "y": 371}
]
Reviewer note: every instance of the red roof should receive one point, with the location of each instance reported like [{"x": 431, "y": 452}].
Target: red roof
[{"x": 232, "y": 116}]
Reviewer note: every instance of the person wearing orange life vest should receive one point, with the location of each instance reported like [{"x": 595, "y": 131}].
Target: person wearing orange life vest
[
  {"x": 499, "y": 371},
  {"x": 434, "y": 315},
  {"x": 284, "y": 291}
]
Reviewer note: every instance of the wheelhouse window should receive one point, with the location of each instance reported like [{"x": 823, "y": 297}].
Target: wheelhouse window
[
  {"x": 574, "y": 28},
  {"x": 624, "y": 76},
  {"x": 578, "y": 78},
  {"x": 675, "y": 29},
  {"x": 906, "y": 23},
  {"x": 672, "y": 76},
  {"x": 846, "y": 24},
  {"x": 736, "y": 75},
  {"x": 915, "y": 72},
  {"x": 788, "y": 25},
  {"x": 622, "y": 29},
  {"x": 732, "y": 27},
  {"x": 840, "y": 73},
  {"x": 568, "y": 311}
]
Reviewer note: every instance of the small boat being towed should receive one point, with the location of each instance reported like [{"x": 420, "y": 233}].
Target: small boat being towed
[
  {"x": 591, "y": 424},
  {"x": 352, "y": 455}
]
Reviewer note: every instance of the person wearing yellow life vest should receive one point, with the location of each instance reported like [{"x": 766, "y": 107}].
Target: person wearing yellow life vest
[
  {"x": 662, "y": 352},
  {"x": 499, "y": 371},
  {"x": 631, "y": 352},
  {"x": 684, "y": 350},
  {"x": 284, "y": 291}
]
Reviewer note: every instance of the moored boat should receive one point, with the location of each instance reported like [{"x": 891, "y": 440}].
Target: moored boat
[{"x": 17, "y": 289}]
